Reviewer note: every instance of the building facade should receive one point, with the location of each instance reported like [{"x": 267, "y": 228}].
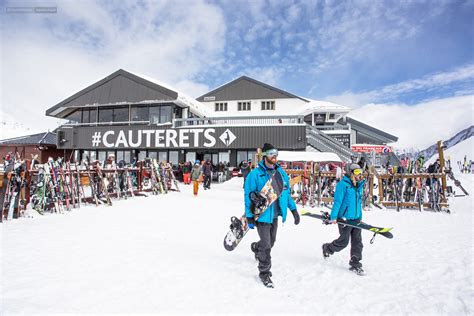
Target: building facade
[{"x": 133, "y": 117}]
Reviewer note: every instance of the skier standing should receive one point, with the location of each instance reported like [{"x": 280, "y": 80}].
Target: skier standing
[
  {"x": 267, "y": 223},
  {"x": 348, "y": 205},
  {"x": 207, "y": 172},
  {"x": 195, "y": 175}
]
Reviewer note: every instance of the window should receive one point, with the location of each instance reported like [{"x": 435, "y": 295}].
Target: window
[
  {"x": 222, "y": 106},
  {"x": 162, "y": 156},
  {"x": 165, "y": 114},
  {"x": 241, "y": 156},
  {"x": 152, "y": 155},
  {"x": 224, "y": 157},
  {"x": 74, "y": 116},
  {"x": 191, "y": 156},
  {"x": 142, "y": 155},
  {"x": 120, "y": 114},
  {"x": 139, "y": 113},
  {"x": 268, "y": 105},
  {"x": 105, "y": 115},
  {"x": 102, "y": 156},
  {"x": 243, "y": 106},
  {"x": 173, "y": 157},
  {"x": 160, "y": 114}
]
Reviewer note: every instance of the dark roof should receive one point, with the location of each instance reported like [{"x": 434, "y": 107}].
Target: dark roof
[
  {"x": 118, "y": 87},
  {"x": 358, "y": 125},
  {"x": 245, "y": 88},
  {"x": 45, "y": 138}
]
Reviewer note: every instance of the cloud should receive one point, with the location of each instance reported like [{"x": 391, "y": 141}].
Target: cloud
[
  {"x": 47, "y": 58},
  {"x": 437, "y": 81},
  {"x": 421, "y": 125}
]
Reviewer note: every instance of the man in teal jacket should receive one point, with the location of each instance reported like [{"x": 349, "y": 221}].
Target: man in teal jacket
[
  {"x": 267, "y": 223},
  {"x": 348, "y": 205}
]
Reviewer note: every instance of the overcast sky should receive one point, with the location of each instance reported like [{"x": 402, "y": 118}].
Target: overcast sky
[{"x": 387, "y": 53}]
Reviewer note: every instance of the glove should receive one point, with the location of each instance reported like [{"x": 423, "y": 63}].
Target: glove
[
  {"x": 296, "y": 216},
  {"x": 251, "y": 222}
]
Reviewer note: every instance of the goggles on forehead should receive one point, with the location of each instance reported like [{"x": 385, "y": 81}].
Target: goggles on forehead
[
  {"x": 357, "y": 172},
  {"x": 271, "y": 152}
]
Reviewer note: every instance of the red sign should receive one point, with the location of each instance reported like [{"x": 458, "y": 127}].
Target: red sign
[{"x": 379, "y": 149}]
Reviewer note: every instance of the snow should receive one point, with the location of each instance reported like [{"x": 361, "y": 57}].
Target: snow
[{"x": 164, "y": 254}]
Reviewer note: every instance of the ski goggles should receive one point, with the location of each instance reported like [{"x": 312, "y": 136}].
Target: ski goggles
[
  {"x": 271, "y": 153},
  {"x": 356, "y": 172}
]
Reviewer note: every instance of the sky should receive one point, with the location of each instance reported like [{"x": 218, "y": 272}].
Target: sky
[{"x": 382, "y": 55}]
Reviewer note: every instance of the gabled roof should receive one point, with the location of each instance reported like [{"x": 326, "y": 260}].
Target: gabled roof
[
  {"x": 358, "y": 125},
  {"x": 47, "y": 138},
  {"x": 121, "y": 87},
  {"x": 245, "y": 88}
]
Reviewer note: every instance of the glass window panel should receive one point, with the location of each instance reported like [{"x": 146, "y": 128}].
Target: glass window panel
[
  {"x": 207, "y": 156},
  {"x": 85, "y": 116},
  {"x": 153, "y": 155},
  {"x": 241, "y": 156},
  {"x": 126, "y": 157},
  {"x": 162, "y": 156},
  {"x": 139, "y": 113},
  {"x": 105, "y": 115},
  {"x": 93, "y": 116},
  {"x": 224, "y": 157},
  {"x": 142, "y": 155},
  {"x": 121, "y": 114},
  {"x": 120, "y": 155},
  {"x": 251, "y": 155},
  {"x": 75, "y": 116},
  {"x": 165, "y": 114},
  {"x": 215, "y": 159},
  {"x": 173, "y": 157},
  {"x": 191, "y": 156},
  {"x": 101, "y": 157},
  {"x": 154, "y": 114},
  {"x": 93, "y": 155}
]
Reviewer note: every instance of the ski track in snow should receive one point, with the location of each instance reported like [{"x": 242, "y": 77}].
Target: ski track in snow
[{"x": 164, "y": 254}]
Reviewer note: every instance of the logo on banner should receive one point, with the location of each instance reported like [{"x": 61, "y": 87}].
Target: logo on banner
[{"x": 227, "y": 137}]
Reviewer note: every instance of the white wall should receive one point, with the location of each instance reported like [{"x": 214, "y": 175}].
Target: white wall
[{"x": 282, "y": 107}]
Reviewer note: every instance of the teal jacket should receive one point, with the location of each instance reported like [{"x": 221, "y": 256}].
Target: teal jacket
[
  {"x": 348, "y": 200},
  {"x": 255, "y": 181}
]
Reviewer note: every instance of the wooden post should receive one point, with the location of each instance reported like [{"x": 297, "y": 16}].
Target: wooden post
[{"x": 442, "y": 166}]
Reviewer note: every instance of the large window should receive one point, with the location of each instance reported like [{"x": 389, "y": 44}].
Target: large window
[
  {"x": 173, "y": 157},
  {"x": 106, "y": 115},
  {"x": 224, "y": 157},
  {"x": 165, "y": 114},
  {"x": 139, "y": 113},
  {"x": 74, "y": 116},
  {"x": 89, "y": 115},
  {"x": 268, "y": 105},
  {"x": 120, "y": 114},
  {"x": 191, "y": 156},
  {"x": 221, "y": 106},
  {"x": 154, "y": 114},
  {"x": 162, "y": 156},
  {"x": 243, "y": 106},
  {"x": 241, "y": 156}
]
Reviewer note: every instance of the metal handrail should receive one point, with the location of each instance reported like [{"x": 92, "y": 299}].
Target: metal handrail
[{"x": 241, "y": 120}]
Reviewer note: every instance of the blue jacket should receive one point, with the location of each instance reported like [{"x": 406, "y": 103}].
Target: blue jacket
[
  {"x": 348, "y": 200},
  {"x": 255, "y": 181}
]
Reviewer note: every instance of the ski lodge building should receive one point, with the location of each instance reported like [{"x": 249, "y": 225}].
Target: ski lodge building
[{"x": 134, "y": 117}]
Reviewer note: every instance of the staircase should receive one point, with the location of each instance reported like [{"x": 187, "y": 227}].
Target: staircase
[{"x": 325, "y": 143}]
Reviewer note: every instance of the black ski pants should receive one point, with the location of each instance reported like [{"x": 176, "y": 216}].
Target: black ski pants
[
  {"x": 353, "y": 234},
  {"x": 207, "y": 181},
  {"x": 267, "y": 233}
]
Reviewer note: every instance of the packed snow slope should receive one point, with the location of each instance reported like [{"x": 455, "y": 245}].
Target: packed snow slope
[{"x": 164, "y": 254}]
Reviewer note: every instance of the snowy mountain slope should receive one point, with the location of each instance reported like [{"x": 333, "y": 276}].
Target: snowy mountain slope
[
  {"x": 456, "y": 153},
  {"x": 164, "y": 254},
  {"x": 456, "y": 139}
]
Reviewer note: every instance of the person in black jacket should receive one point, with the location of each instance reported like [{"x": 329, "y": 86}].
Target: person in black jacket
[{"x": 245, "y": 169}]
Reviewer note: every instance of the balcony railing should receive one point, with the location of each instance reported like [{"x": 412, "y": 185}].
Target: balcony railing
[{"x": 241, "y": 121}]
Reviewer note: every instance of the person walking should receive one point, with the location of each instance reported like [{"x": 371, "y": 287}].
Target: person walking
[
  {"x": 195, "y": 175},
  {"x": 348, "y": 205},
  {"x": 245, "y": 170},
  {"x": 207, "y": 172},
  {"x": 267, "y": 222}
]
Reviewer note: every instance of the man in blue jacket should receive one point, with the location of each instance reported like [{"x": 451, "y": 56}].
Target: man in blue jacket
[
  {"x": 267, "y": 222},
  {"x": 348, "y": 205}
]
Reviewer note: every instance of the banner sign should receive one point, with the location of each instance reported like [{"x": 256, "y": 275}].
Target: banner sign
[
  {"x": 378, "y": 149},
  {"x": 149, "y": 137}
]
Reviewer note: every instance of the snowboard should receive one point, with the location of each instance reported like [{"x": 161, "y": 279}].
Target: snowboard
[
  {"x": 261, "y": 200},
  {"x": 361, "y": 225}
]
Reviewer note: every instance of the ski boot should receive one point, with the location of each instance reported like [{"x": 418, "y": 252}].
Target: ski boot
[
  {"x": 265, "y": 278},
  {"x": 356, "y": 266},
  {"x": 326, "y": 251},
  {"x": 253, "y": 247},
  {"x": 357, "y": 270}
]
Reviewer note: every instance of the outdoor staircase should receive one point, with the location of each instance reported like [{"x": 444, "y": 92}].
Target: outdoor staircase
[{"x": 325, "y": 143}]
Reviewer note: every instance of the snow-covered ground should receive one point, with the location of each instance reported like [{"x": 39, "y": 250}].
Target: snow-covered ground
[{"x": 164, "y": 254}]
